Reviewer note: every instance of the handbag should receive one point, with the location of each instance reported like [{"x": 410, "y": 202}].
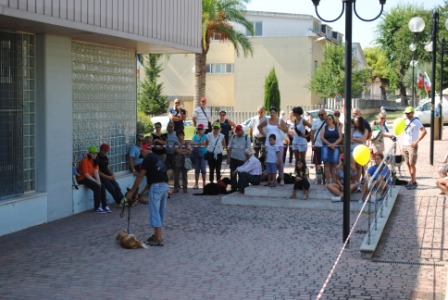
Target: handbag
[
  {"x": 210, "y": 155},
  {"x": 307, "y": 135},
  {"x": 188, "y": 165},
  {"x": 209, "y": 129}
]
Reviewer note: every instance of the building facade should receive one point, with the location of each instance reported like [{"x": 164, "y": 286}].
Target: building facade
[
  {"x": 68, "y": 81},
  {"x": 291, "y": 43}
]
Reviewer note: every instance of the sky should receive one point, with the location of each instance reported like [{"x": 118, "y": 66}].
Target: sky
[{"x": 363, "y": 32}]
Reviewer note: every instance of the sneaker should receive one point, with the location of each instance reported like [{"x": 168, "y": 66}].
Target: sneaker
[
  {"x": 412, "y": 186},
  {"x": 107, "y": 209},
  {"x": 336, "y": 199},
  {"x": 282, "y": 182},
  {"x": 408, "y": 185},
  {"x": 155, "y": 242},
  {"x": 195, "y": 187},
  {"x": 99, "y": 210}
]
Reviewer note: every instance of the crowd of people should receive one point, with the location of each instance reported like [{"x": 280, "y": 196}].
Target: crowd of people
[{"x": 252, "y": 157}]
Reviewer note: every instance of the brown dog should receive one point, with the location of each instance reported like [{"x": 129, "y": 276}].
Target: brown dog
[
  {"x": 319, "y": 175},
  {"x": 129, "y": 241}
]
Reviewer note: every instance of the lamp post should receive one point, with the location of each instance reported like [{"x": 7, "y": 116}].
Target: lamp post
[
  {"x": 415, "y": 25},
  {"x": 412, "y": 47},
  {"x": 440, "y": 110},
  {"x": 349, "y": 6}
]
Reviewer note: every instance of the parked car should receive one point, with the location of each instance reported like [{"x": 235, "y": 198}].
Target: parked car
[
  {"x": 314, "y": 113},
  {"x": 245, "y": 125},
  {"x": 423, "y": 111}
]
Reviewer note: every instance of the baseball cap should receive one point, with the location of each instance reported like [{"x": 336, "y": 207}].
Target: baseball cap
[
  {"x": 92, "y": 149},
  {"x": 337, "y": 112},
  {"x": 200, "y": 126},
  {"x": 342, "y": 156},
  {"x": 217, "y": 124},
  {"x": 203, "y": 99},
  {"x": 105, "y": 147},
  {"x": 409, "y": 110},
  {"x": 238, "y": 129},
  {"x": 146, "y": 147}
]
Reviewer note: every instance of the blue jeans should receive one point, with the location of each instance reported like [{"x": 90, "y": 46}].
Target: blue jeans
[
  {"x": 200, "y": 166},
  {"x": 158, "y": 196}
]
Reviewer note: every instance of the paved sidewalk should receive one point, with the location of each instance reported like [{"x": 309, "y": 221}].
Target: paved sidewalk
[{"x": 225, "y": 252}]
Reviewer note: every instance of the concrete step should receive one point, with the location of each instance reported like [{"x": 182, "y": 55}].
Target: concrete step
[{"x": 316, "y": 191}]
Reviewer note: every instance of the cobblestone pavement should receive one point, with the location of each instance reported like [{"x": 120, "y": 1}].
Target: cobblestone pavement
[{"x": 228, "y": 252}]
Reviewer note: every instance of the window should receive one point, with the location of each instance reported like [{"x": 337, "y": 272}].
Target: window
[
  {"x": 17, "y": 114},
  {"x": 258, "y": 29},
  {"x": 104, "y": 101},
  {"x": 219, "y": 68}
]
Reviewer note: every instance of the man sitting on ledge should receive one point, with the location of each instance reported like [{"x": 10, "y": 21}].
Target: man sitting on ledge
[{"x": 249, "y": 172}]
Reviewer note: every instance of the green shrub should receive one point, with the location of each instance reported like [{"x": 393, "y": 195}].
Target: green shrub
[{"x": 144, "y": 124}]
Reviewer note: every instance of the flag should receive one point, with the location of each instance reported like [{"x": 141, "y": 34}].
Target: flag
[
  {"x": 427, "y": 83},
  {"x": 420, "y": 79}
]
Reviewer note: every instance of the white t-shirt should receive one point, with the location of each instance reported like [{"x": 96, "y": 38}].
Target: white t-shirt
[
  {"x": 317, "y": 123},
  {"x": 412, "y": 131},
  {"x": 201, "y": 118},
  {"x": 254, "y": 125}
]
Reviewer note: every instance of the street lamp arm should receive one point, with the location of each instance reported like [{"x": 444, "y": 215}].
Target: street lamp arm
[
  {"x": 328, "y": 21},
  {"x": 368, "y": 20}
]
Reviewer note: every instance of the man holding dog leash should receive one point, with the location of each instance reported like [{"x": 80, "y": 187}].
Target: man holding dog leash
[{"x": 155, "y": 171}]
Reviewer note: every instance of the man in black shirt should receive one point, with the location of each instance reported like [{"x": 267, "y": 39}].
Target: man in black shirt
[
  {"x": 155, "y": 171},
  {"x": 178, "y": 115},
  {"x": 107, "y": 177}
]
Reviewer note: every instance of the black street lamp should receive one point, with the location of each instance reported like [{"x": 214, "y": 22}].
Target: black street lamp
[
  {"x": 349, "y": 6},
  {"x": 413, "y": 63}
]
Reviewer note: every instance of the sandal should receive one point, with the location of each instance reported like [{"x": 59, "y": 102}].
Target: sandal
[{"x": 304, "y": 197}]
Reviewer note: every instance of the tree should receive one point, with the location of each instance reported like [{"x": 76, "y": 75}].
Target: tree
[
  {"x": 271, "y": 91},
  {"x": 218, "y": 17},
  {"x": 150, "y": 99},
  {"x": 329, "y": 78},
  {"x": 377, "y": 61},
  {"x": 394, "y": 39}
]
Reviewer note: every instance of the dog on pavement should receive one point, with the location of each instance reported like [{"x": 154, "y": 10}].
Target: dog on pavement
[
  {"x": 216, "y": 188},
  {"x": 319, "y": 174},
  {"x": 129, "y": 241}
]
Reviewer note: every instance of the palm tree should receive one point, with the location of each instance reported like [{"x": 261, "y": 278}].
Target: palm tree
[{"x": 218, "y": 18}]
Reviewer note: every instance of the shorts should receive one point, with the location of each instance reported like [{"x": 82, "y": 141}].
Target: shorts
[
  {"x": 158, "y": 195},
  {"x": 271, "y": 168},
  {"x": 300, "y": 145},
  {"x": 410, "y": 154}
]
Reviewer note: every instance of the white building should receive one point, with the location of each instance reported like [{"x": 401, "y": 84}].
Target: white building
[{"x": 67, "y": 81}]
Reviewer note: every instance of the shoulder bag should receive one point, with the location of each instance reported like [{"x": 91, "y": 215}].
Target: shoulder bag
[
  {"x": 209, "y": 129},
  {"x": 210, "y": 155}
]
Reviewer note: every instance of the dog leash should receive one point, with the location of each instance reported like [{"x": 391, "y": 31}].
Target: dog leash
[{"x": 125, "y": 203}]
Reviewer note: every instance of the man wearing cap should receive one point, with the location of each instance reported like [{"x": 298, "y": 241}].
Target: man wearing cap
[
  {"x": 154, "y": 170},
  {"x": 89, "y": 177},
  {"x": 202, "y": 115},
  {"x": 235, "y": 152},
  {"x": 414, "y": 132},
  {"x": 107, "y": 177},
  {"x": 255, "y": 135},
  {"x": 178, "y": 115}
]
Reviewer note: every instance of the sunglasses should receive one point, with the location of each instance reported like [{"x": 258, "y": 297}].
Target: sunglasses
[
  {"x": 321, "y": 115},
  {"x": 337, "y": 115},
  {"x": 200, "y": 128},
  {"x": 139, "y": 140}
]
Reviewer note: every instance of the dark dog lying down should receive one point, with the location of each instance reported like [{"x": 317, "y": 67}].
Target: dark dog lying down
[{"x": 216, "y": 188}]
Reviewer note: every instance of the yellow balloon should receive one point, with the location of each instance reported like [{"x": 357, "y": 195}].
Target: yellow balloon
[
  {"x": 399, "y": 126},
  {"x": 361, "y": 154}
]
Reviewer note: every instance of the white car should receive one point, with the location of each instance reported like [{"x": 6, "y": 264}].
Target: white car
[
  {"x": 314, "y": 113},
  {"x": 423, "y": 111},
  {"x": 246, "y": 124}
]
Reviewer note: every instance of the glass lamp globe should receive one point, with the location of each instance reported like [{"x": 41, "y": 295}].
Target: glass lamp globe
[
  {"x": 412, "y": 47},
  {"x": 416, "y": 24}
]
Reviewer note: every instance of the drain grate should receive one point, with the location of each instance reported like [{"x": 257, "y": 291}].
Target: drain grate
[
  {"x": 408, "y": 263},
  {"x": 360, "y": 231}
]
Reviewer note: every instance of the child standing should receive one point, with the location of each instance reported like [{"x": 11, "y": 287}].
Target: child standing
[
  {"x": 301, "y": 182},
  {"x": 271, "y": 161}
]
